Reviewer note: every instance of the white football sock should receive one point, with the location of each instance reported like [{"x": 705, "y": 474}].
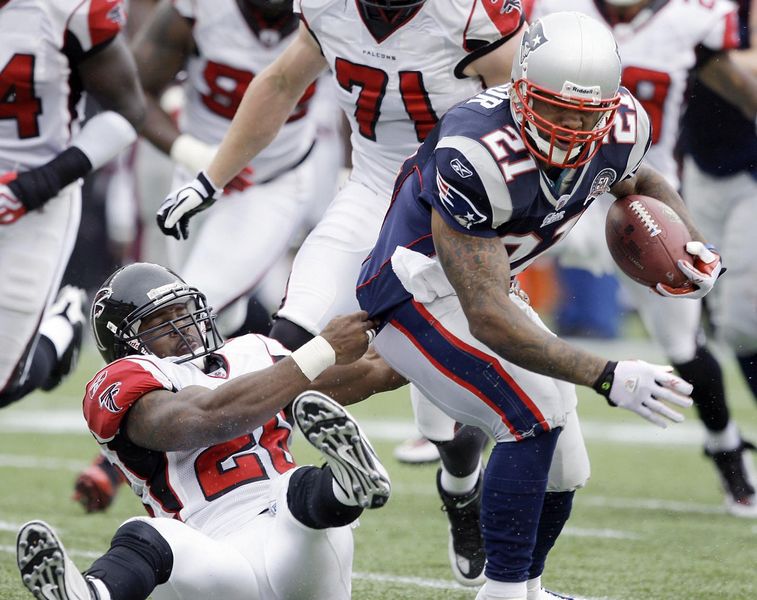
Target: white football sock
[
  {"x": 59, "y": 331},
  {"x": 457, "y": 486},
  {"x": 502, "y": 590},
  {"x": 533, "y": 586},
  {"x": 728, "y": 439},
  {"x": 100, "y": 588}
]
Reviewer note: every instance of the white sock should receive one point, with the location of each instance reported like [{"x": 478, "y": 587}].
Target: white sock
[
  {"x": 502, "y": 590},
  {"x": 457, "y": 486},
  {"x": 59, "y": 331},
  {"x": 533, "y": 586},
  {"x": 728, "y": 439},
  {"x": 99, "y": 586}
]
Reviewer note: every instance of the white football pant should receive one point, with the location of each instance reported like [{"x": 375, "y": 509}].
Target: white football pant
[
  {"x": 34, "y": 252},
  {"x": 272, "y": 556},
  {"x": 233, "y": 244},
  {"x": 555, "y": 399},
  {"x": 725, "y": 210}
]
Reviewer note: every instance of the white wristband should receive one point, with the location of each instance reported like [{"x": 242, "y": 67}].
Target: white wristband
[
  {"x": 192, "y": 153},
  {"x": 314, "y": 357}
]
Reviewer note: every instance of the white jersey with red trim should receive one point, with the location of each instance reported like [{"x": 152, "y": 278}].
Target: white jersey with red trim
[
  {"x": 394, "y": 89},
  {"x": 41, "y": 42},
  {"x": 230, "y": 55},
  {"x": 210, "y": 488},
  {"x": 657, "y": 50}
]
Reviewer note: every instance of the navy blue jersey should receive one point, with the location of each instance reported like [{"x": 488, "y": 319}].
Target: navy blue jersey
[{"x": 476, "y": 172}]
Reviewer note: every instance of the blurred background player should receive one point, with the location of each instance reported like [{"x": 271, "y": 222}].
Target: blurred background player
[
  {"x": 175, "y": 403},
  {"x": 719, "y": 171},
  {"x": 658, "y": 78},
  {"x": 221, "y": 46},
  {"x": 50, "y": 54},
  {"x": 398, "y": 65}
]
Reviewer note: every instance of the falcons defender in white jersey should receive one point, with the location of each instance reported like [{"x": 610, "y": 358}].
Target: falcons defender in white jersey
[
  {"x": 51, "y": 52},
  {"x": 398, "y": 65},
  {"x": 660, "y": 42},
  {"x": 198, "y": 429},
  {"x": 223, "y": 45}
]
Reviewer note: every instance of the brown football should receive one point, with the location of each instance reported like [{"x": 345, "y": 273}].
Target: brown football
[{"x": 646, "y": 239}]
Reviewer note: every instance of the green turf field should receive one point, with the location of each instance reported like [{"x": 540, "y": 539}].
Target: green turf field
[{"x": 649, "y": 526}]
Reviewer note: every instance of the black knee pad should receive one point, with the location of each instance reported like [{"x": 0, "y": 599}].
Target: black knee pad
[
  {"x": 462, "y": 454},
  {"x": 312, "y": 502},
  {"x": 139, "y": 559},
  {"x": 289, "y": 334}
]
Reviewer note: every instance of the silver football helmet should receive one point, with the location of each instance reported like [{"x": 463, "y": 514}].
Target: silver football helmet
[{"x": 569, "y": 61}]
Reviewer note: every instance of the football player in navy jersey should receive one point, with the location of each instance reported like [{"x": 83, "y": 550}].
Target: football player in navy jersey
[{"x": 502, "y": 178}]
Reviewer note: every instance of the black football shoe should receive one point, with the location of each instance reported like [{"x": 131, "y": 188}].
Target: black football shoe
[
  {"x": 66, "y": 312},
  {"x": 46, "y": 570},
  {"x": 354, "y": 463},
  {"x": 466, "y": 544},
  {"x": 736, "y": 476}
]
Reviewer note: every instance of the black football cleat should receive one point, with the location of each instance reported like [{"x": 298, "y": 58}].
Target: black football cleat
[
  {"x": 46, "y": 570},
  {"x": 735, "y": 471},
  {"x": 354, "y": 463},
  {"x": 466, "y": 544}
]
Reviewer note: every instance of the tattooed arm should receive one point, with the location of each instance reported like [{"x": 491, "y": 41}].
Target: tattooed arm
[
  {"x": 479, "y": 270},
  {"x": 649, "y": 182}
]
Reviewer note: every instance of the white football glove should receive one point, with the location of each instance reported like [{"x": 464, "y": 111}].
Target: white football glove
[
  {"x": 642, "y": 387},
  {"x": 185, "y": 202},
  {"x": 702, "y": 274}
]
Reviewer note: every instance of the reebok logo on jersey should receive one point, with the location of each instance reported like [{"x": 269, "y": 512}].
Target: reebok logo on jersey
[
  {"x": 107, "y": 399},
  {"x": 458, "y": 205},
  {"x": 460, "y": 168}
]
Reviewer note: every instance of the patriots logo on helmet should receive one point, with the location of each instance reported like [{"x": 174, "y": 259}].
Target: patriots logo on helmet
[
  {"x": 533, "y": 39},
  {"x": 107, "y": 399}
]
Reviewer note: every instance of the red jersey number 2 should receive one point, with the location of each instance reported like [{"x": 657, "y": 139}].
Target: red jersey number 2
[{"x": 224, "y": 467}]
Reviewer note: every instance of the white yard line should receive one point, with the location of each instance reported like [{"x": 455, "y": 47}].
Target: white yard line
[
  {"x": 684, "y": 434},
  {"x": 437, "y": 584}
]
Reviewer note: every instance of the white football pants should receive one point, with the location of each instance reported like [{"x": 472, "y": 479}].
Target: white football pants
[
  {"x": 725, "y": 210},
  {"x": 34, "y": 252},
  {"x": 233, "y": 244},
  {"x": 270, "y": 557}
]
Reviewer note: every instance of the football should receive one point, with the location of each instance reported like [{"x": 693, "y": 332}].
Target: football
[{"x": 646, "y": 239}]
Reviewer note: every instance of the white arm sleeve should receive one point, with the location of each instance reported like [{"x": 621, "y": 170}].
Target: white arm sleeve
[{"x": 103, "y": 137}]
